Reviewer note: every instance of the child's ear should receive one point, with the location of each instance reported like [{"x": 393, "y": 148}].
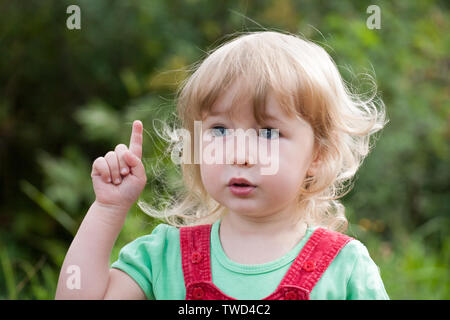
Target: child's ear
[{"x": 315, "y": 165}]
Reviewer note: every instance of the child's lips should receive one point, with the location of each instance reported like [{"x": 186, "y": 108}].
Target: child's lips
[
  {"x": 240, "y": 181},
  {"x": 241, "y": 190},
  {"x": 240, "y": 186}
]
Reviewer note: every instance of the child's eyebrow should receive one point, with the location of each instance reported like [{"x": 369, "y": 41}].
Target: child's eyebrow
[
  {"x": 214, "y": 113},
  {"x": 267, "y": 116},
  {"x": 272, "y": 118}
]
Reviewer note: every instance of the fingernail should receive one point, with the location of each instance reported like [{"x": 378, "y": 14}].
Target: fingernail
[
  {"x": 117, "y": 181},
  {"x": 124, "y": 171},
  {"x": 109, "y": 179}
]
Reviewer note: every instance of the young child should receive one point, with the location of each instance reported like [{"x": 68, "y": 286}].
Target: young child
[{"x": 237, "y": 233}]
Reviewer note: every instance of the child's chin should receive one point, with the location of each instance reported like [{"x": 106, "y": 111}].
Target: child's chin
[{"x": 245, "y": 207}]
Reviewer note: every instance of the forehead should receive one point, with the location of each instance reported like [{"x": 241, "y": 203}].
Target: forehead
[{"x": 238, "y": 101}]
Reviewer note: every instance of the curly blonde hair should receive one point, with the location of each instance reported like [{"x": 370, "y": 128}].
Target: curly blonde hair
[{"x": 307, "y": 83}]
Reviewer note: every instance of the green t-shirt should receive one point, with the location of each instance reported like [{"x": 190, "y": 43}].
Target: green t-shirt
[{"x": 154, "y": 262}]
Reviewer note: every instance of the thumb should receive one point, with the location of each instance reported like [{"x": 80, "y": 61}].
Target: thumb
[{"x": 136, "y": 166}]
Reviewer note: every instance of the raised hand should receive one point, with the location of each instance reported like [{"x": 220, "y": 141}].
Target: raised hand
[{"x": 119, "y": 177}]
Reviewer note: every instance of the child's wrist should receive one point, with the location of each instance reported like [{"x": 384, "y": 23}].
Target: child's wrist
[
  {"x": 111, "y": 214},
  {"x": 116, "y": 209}
]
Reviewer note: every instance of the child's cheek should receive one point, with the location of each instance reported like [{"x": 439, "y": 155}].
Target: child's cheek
[
  {"x": 291, "y": 166},
  {"x": 210, "y": 174}
]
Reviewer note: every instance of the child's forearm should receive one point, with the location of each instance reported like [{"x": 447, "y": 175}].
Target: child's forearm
[{"x": 85, "y": 271}]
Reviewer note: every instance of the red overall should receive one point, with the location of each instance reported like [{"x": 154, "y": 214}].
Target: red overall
[{"x": 312, "y": 261}]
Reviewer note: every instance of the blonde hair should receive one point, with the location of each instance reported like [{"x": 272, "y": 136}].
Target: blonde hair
[{"x": 306, "y": 83}]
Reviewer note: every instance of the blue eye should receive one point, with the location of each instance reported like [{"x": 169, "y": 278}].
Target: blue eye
[
  {"x": 269, "y": 133},
  {"x": 218, "y": 131}
]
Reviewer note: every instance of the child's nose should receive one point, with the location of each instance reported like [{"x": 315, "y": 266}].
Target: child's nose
[
  {"x": 244, "y": 151},
  {"x": 244, "y": 161}
]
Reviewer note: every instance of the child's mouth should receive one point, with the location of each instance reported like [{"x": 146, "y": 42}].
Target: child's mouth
[
  {"x": 240, "y": 189},
  {"x": 240, "y": 186}
]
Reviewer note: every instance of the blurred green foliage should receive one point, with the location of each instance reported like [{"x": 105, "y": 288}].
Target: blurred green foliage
[{"x": 69, "y": 96}]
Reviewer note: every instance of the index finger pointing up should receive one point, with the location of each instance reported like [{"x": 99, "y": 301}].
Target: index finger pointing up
[{"x": 136, "y": 139}]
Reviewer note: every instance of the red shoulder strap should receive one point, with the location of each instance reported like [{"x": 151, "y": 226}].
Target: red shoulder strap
[
  {"x": 306, "y": 270},
  {"x": 195, "y": 253},
  {"x": 314, "y": 258}
]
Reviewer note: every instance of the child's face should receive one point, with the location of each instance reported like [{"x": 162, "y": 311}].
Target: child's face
[{"x": 274, "y": 193}]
